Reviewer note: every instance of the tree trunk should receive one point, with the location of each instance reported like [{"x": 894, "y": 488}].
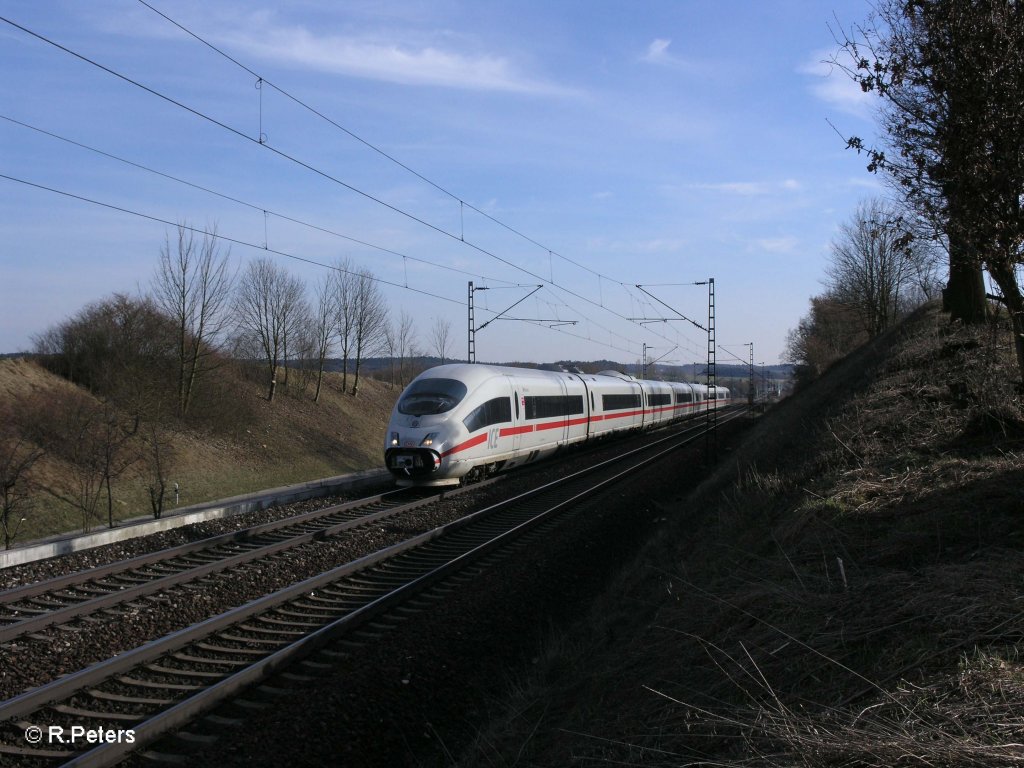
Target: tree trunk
[
  {"x": 964, "y": 295},
  {"x": 319, "y": 382},
  {"x": 1006, "y": 278}
]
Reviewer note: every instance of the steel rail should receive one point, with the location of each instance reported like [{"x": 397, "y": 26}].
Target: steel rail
[
  {"x": 232, "y": 537},
  {"x": 156, "y": 583},
  {"x": 185, "y": 710},
  {"x": 92, "y": 605}
]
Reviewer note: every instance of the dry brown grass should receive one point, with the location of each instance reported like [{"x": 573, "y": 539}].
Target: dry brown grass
[
  {"x": 242, "y": 444},
  {"x": 845, "y": 591}
]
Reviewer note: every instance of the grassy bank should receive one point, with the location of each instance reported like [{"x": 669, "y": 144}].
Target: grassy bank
[
  {"x": 845, "y": 590},
  {"x": 242, "y": 443}
]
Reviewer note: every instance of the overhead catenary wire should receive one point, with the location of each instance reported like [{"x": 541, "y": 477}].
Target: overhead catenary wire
[
  {"x": 265, "y": 249},
  {"x": 252, "y": 206},
  {"x": 262, "y": 80},
  {"x": 328, "y": 176},
  {"x": 462, "y": 203},
  {"x": 217, "y": 235}
]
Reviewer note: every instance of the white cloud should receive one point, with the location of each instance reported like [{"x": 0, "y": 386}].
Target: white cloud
[
  {"x": 653, "y": 246},
  {"x": 828, "y": 83},
  {"x": 749, "y": 188},
  {"x": 387, "y": 58},
  {"x": 657, "y": 52},
  {"x": 778, "y": 244},
  {"x": 868, "y": 181}
]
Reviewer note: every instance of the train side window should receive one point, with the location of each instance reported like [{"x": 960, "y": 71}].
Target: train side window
[
  {"x": 592, "y": 400},
  {"x": 494, "y": 411},
  {"x": 620, "y": 402},
  {"x": 551, "y": 406},
  {"x": 515, "y": 399}
]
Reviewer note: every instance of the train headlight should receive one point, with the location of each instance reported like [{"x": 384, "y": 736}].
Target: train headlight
[
  {"x": 429, "y": 439},
  {"x": 394, "y": 438}
]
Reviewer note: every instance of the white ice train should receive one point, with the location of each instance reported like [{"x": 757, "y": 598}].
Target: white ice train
[{"x": 465, "y": 421}]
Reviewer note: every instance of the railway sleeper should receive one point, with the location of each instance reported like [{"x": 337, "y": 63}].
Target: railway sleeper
[
  {"x": 164, "y": 758},
  {"x": 331, "y": 653},
  {"x": 321, "y": 616},
  {"x": 16, "y": 610},
  {"x": 293, "y": 622},
  {"x": 250, "y": 640},
  {"x": 271, "y": 691},
  {"x": 220, "y": 721},
  {"x": 192, "y": 739},
  {"x": 367, "y": 584},
  {"x": 224, "y": 649},
  {"x": 209, "y": 661},
  {"x": 174, "y": 672},
  {"x": 251, "y": 705},
  {"x": 349, "y": 590},
  {"x": 271, "y": 631},
  {"x": 137, "y": 683},
  {"x": 104, "y": 696},
  {"x": 47, "y": 754},
  {"x": 297, "y": 677},
  {"x": 64, "y": 709},
  {"x": 331, "y": 607}
]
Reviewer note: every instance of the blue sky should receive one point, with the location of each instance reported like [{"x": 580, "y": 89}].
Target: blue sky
[{"x": 609, "y": 144}]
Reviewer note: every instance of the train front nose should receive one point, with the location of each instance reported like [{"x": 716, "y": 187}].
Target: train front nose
[
  {"x": 412, "y": 456},
  {"x": 412, "y": 462}
]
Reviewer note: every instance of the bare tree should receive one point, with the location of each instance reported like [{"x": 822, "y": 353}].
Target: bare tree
[
  {"x": 874, "y": 266},
  {"x": 345, "y": 281},
  {"x": 296, "y": 321},
  {"x": 828, "y": 332},
  {"x": 324, "y": 324},
  {"x": 923, "y": 110},
  {"x": 951, "y": 76},
  {"x": 404, "y": 335},
  {"x": 17, "y": 455},
  {"x": 70, "y": 429},
  {"x": 115, "y": 456},
  {"x": 371, "y": 321},
  {"x": 440, "y": 337},
  {"x": 193, "y": 287},
  {"x": 159, "y": 457},
  {"x": 120, "y": 348},
  {"x": 265, "y": 300}
]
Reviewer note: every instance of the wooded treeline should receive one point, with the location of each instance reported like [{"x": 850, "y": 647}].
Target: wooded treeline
[
  {"x": 175, "y": 356},
  {"x": 949, "y": 77}
]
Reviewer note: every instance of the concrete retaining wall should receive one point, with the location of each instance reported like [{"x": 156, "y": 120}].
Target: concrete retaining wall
[{"x": 197, "y": 513}]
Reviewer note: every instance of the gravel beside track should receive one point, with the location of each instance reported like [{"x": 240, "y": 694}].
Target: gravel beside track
[
  {"x": 416, "y": 694},
  {"x": 123, "y": 550},
  {"x": 36, "y": 659}
]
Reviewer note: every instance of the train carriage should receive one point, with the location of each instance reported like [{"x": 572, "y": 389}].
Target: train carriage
[{"x": 459, "y": 420}]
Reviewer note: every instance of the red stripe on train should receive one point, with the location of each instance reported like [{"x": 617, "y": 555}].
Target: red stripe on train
[{"x": 473, "y": 441}]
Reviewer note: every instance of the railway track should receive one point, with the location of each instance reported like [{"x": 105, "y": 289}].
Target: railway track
[
  {"x": 164, "y": 684},
  {"x": 33, "y": 607}
]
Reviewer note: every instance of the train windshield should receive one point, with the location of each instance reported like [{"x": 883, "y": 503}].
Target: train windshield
[{"x": 428, "y": 396}]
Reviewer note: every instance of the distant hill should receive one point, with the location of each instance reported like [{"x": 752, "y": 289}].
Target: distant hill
[{"x": 690, "y": 372}]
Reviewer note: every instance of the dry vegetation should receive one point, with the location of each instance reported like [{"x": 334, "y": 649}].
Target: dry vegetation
[
  {"x": 844, "y": 591},
  {"x": 237, "y": 442}
]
